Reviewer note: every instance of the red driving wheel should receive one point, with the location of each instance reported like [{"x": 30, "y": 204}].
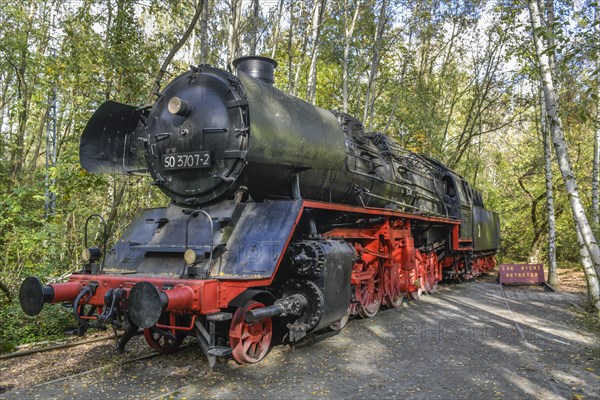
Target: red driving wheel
[
  {"x": 393, "y": 294},
  {"x": 417, "y": 277},
  {"x": 431, "y": 282},
  {"x": 161, "y": 343},
  {"x": 369, "y": 294},
  {"x": 250, "y": 342}
]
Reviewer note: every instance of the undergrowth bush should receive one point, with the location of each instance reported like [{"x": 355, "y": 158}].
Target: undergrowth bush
[{"x": 18, "y": 328}]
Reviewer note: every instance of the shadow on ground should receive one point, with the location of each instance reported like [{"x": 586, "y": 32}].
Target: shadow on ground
[{"x": 467, "y": 341}]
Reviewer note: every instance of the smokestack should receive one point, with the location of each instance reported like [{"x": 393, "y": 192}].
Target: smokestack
[{"x": 257, "y": 67}]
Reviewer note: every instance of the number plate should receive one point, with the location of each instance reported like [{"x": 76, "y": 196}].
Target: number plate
[{"x": 198, "y": 159}]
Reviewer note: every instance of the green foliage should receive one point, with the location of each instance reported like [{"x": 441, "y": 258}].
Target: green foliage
[{"x": 17, "y": 329}]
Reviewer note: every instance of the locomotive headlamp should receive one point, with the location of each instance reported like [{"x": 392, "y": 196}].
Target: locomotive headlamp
[
  {"x": 192, "y": 256},
  {"x": 189, "y": 256},
  {"x": 91, "y": 254},
  {"x": 179, "y": 106}
]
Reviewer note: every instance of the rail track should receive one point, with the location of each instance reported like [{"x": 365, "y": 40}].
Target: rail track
[
  {"x": 7, "y": 387},
  {"x": 103, "y": 368},
  {"x": 55, "y": 347},
  {"x": 77, "y": 375}
]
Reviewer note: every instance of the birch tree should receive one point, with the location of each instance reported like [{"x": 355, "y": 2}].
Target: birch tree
[
  {"x": 278, "y": 27},
  {"x": 376, "y": 56},
  {"x": 596, "y": 162},
  {"x": 593, "y": 283},
  {"x": 348, "y": 32},
  {"x": 300, "y": 64},
  {"x": 204, "y": 33},
  {"x": 233, "y": 43},
  {"x": 552, "y": 278},
  {"x": 254, "y": 27},
  {"x": 318, "y": 14},
  {"x": 560, "y": 147}
]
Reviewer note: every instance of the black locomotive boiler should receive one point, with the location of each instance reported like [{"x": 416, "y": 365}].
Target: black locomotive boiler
[{"x": 283, "y": 216}]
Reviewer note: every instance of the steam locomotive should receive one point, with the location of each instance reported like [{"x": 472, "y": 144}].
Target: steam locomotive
[{"x": 284, "y": 218}]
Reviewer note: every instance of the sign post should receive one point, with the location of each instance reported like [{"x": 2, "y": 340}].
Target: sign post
[{"x": 521, "y": 273}]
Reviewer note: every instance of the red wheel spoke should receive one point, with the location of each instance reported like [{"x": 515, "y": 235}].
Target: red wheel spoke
[
  {"x": 161, "y": 343},
  {"x": 369, "y": 294},
  {"x": 249, "y": 342}
]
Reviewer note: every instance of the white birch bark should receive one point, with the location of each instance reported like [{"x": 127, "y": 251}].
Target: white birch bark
[
  {"x": 550, "y": 28},
  {"x": 596, "y": 162},
  {"x": 294, "y": 82},
  {"x": 552, "y": 277},
  {"x": 311, "y": 86},
  {"x": 560, "y": 145},
  {"x": 348, "y": 32},
  {"x": 369, "y": 95},
  {"x": 233, "y": 31},
  {"x": 277, "y": 27},
  {"x": 290, "y": 54},
  {"x": 254, "y": 31},
  {"x": 204, "y": 33},
  {"x": 191, "y": 48},
  {"x": 593, "y": 283}
]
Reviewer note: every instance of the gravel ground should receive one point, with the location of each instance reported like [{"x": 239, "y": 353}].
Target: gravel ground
[{"x": 467, "y": 341}]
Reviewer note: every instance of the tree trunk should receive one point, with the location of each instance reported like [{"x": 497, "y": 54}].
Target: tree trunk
[
  {"x": 596, "y": 165},
  {"x": 552, "y": 277},
  {"x": 290, "y": 42},
  {"x": 4, "y": 288},
  {"x": 348, "y": 32},
  {"x": 392, "y": 114},
  {"x": 37, "y": 140},
  {"x": 107, "y": 38},
  {"x": 551, "y": 41},
  {"x": 178, "y": 45},
  {"x": 191, "y": 48},
  {"x": 277, "y": 28},
  {"x": 5, "y": 80},
  {"x": 204, "y": 33},
  {"x": 311, "y": 86},
  {"x": 233, "y": 32},
  {"x": 593, "y": 283},
  {"x": 23, "y": 94},
  {"x": 560, "y": 145},
  {"x": 294, "y": 84},
  {"x": 377, "y": 47},
  {"x": 118, "y": 193},
  {"x": 303, "y": 13},
  {"x": 23, "y": 97},
  {"x": 254, "y": 33}
]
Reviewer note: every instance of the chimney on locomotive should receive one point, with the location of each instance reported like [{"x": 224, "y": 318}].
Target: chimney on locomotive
[{"x": 257, "y": 67}]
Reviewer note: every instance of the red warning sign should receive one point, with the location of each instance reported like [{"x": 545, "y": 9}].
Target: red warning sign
[{"x": 521, "y": 273}]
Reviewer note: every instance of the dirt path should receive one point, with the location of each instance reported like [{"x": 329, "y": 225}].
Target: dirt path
[{"x": 467, "y": 341}]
